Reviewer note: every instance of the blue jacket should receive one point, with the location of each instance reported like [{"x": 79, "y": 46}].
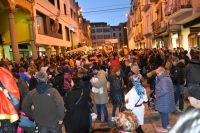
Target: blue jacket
[
  {"x": 164, "y": 94},
  {"x": 24, "y": 77}
]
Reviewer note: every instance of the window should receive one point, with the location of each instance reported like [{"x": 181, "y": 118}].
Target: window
[
  {"x": 106, "y": 36},
  {"x": 99, "y": 30},
  {"x": 60, "y": 29},
  {"x": 58, "y": 4},
  {"x": 120, "y": 34},
  {"x": 1, "y": 40},
  {"x": 106, "y": 30},
  {"x": 67, "y": 34},
  {"x": 100, "y": 36},
  {"x": 65, "y": 9},
  {"x": 114, "y": 35},
  {"x": 41, "y": 23},
  {"x": 52, "y": 25},
  {"x": 71, "y": 13},
  {"x": 113, "y": 29},
  {"x": 93, "y": 37},
  {"x": 74, "y": 16},
  {"x": 93, "y": 30},
  {"x": 52, "y": 2}
]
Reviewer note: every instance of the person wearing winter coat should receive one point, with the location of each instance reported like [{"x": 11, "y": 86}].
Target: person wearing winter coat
[
  {"x": 58, "y": 81},
  {"x": 114, "y": 61},
  {"x": 23, "y": 75},
  {"x": 179, "y": 81},
  {"x": 193, "y": 70},
  {"x": 67, "y": 84},
  {"x": 165, "y": 102},
  {"x": 8, "y": 111},
  {"x": 45, "y": 105},
  {"x": 116, "y": 91},
  {"x": 33, "y": 81},
  {"x": 77, "y": 103},
  {"x": 101, "y": 97}
]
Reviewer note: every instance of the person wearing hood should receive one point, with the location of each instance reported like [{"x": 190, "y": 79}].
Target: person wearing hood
[
  {"x": 165, "y": 102},
  {"x": 45, "y": 105}
]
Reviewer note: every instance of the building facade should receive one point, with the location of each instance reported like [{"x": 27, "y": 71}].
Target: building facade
[
  {"x": 169, "y": 24},
  {"x": 119, "y": 32},
  {"x": 84, "y": 28},
  {"x": 56, "y": 26},
  {"x": 104, "y": 34},
  {"x": 16, "y": 29},
  {"x": 135, "y": 25},
  {"x": 36, "y": 27}
]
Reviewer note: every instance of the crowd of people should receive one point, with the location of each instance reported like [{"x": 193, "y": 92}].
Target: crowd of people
[{"x": 71, "y": 89}]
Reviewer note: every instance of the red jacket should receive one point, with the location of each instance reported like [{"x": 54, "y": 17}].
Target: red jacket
[
  {"x": 7, "y": 110},
  {"x": 114, "y": 62}
]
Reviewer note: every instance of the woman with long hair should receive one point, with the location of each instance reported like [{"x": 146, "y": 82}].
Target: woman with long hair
[{"x": 116, "y": 91}]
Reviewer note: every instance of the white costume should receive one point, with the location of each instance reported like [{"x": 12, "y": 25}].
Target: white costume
[{"x": 133, "y": 98}]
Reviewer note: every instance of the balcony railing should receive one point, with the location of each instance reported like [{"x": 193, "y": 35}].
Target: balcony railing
[
  {"x": 159, "y": 26},
  {"x": 155, "y": 1},
  {"x": 156, "y": 25},
  {"x": 146, "y": 5},
  {"x": 176, "y": 5}
]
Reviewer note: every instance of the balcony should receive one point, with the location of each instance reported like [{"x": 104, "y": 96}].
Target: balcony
[
  {"x": 147, "y": 31},
  {"x": 179, "y": 10},
  {"x": 155, "y": 1},
  {"x": 146, "y": 5},
  {"x": 159, "y": 26},
  {"x": 140, "y": 36},
  {"x": 26, "y": 4},
  {"x": 156, "y": 26}
]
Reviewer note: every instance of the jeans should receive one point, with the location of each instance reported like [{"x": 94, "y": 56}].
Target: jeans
[
  {"x": 7, "y": 127},
  {"x": 190, "y": 86},
  {"x": 165, "y": 119},
  {"x": 55, "y": 129},
  {"x": 105, "y": 111},
  {"x": 179, "y": 95},
  {"x": 114, "y": 111}
]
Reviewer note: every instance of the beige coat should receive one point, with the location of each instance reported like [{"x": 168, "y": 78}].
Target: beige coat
[{"x": 102, "y": 82}]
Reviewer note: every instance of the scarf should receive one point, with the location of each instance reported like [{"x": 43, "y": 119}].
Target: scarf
[
  {"x": 138, "y": 87},
  {"x": 42, "y": 87}
]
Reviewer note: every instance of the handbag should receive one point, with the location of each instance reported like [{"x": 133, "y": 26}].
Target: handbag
[{"x": 26, "y": 122}]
